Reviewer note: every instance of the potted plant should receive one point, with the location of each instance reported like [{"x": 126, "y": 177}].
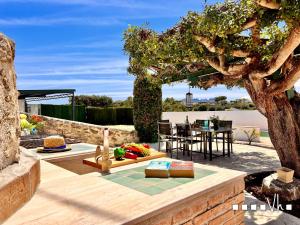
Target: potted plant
[
  {"x": 215, "y": 120},
  {"x": 285, "y": 175},
  {"x": 37, "y": 124}
]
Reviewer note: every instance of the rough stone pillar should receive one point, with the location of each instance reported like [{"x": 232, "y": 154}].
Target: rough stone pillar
[{"x": 9, "y": 116}]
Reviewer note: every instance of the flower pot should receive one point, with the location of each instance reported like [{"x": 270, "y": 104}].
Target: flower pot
[{"x": 285, "y": 175}]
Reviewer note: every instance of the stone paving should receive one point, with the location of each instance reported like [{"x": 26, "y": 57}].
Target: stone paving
[{"x": 251, "y": 159}]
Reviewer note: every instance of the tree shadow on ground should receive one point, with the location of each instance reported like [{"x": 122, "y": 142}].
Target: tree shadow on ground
[{"x": 251, "y": 161}]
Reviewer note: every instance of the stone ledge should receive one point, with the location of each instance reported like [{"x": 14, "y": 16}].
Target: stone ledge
[{"x": 18, "y": 183}]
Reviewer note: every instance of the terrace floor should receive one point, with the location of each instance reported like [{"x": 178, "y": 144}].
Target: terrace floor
[{"x": 251, "y": 159}]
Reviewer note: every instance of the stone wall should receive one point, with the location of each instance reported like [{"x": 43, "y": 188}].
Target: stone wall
[
  {"x": 9, "y": 117},
  {"x": 18, "y": 183},
  {"x": 213, "y": 208},
  {"x": 88, "y": 133}
]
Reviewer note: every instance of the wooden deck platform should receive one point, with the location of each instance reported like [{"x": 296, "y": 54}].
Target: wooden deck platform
[{"x": 64, "y": 197}]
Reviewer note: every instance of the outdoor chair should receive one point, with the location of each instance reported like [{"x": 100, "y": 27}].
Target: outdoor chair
[
  {"x": 185, "y": 139},
  {"x": 225, "y": 124},
  {"x": 164, "y": 121},
  {"x": 165, "y": 134},
  {"x": 201, "y": 135}
]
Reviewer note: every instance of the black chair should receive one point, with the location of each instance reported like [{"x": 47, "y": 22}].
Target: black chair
[
  {"x": 185, "y": 138},
  {"x": 165, "y": 134},
  {"x": 183, "y": 135},
  {"x": 201, "y": 135},
  {"x": 226, "y": 124},
  {"x": 164, "y": 121}
]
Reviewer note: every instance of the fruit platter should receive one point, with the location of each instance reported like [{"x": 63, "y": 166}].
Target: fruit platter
[
  {"x": 128, "y": 154},
  {"x": 132, "y": 151}
]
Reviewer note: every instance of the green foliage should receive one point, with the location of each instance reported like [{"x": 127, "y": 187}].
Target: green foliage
[
  {"x": 212, "y": 108},
  {"x": 93, "y": 100},
  {"x": 200, "y": 107},
  {"x": 171, "y": 52},
  {"x": 126, "y": 103},
  {"x": 147, "y": 107},
  {"x": 251, "y": 135},
  {"x": 124, "y": 115},
  {"x": 172, "y": 105},
  {"x": 109, "y": 116},
  {"x": 220, "y": 98},
  {"x": 64, "y": 112},
  {"x": 242, "y": 104}
]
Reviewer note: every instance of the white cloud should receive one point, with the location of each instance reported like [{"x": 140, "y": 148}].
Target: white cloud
[
  {"x": 71, "y": 82},
  {"x": 97, "y": 67},
  {"x": 91, "y": 3},
  {"x": 44, "y": 21}
]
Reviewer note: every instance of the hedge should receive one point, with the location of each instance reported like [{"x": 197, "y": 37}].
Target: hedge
[
  {"x": 93, "y": 115},
  {"x": 147, "y": 104},
  {"x": 109, "y": 116},
  {"x": 64, "y": 112}
]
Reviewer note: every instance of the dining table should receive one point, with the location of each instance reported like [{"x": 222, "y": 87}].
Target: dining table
[{"x": 208, "y": 138}]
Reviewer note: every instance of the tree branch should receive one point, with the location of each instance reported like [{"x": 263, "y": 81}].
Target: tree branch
[
  {"x": 210, "y": 45},
  {"x": 278, "y": 59},
  {"x": 255, "y": 92},
  {"x": 214, "y": 79},
  {"x": 249, "y": 24},
  {"x": 286, "y": 83},
  {"x": 270, "y": 4},
  {"x": 236, "y": 70}
]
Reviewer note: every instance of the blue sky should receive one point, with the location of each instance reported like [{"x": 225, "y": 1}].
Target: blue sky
[{"x": 78, "y": 43}]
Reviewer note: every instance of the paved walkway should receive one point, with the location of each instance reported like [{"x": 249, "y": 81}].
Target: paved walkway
[
  {"x": 250, "y": 159},
  {"x": 245, "y": 158}
]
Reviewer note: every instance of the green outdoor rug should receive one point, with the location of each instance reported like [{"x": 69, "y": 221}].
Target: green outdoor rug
[{"x": 135, "y": 179}]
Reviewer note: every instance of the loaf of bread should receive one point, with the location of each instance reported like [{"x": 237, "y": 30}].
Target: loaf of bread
[{"x": 54, "y": 142}]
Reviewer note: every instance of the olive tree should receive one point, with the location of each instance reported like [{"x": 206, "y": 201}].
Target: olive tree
[{"x": 249, "y": 43}]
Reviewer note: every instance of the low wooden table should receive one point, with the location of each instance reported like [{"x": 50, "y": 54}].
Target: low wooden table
[{"x": 154, "y": 155}]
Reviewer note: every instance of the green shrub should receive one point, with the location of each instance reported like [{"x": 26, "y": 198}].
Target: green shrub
[
  {"x": 147, "y": 104},
  {"x": 220, "y": 108},
  {"x": 172, "y": 105},
  {"x": 109, "y": 116},
  {"x": 93, "y": 100},
  {"x": 124, "y": 116},
  {"x": 201, "y": 108},
  {"x": 101, "y": 116},
  {"x": 64, "y": 112},
  {"x": 212, "y": 108}
]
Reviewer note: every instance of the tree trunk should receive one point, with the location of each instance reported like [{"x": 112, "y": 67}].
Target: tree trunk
[
  {"x": 283, "y": 116},
  {"x": 284, "y": 129},
  {"x": 9, "y": 117}
]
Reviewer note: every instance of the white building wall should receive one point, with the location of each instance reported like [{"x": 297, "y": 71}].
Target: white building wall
[
  {"x": 34, "y": 109},
  {"x": 239, "y": 117},
  {"x": 21, "y": 105}
]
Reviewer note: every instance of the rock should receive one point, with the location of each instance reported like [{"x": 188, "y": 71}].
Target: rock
[
  {"x": 286, "y": 192},
  {"x": 18, "y": 183},
  {"x": 9, "y": 116}
]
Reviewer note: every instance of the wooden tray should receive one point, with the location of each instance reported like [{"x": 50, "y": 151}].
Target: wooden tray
[{"x": 154, "y": 155}]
